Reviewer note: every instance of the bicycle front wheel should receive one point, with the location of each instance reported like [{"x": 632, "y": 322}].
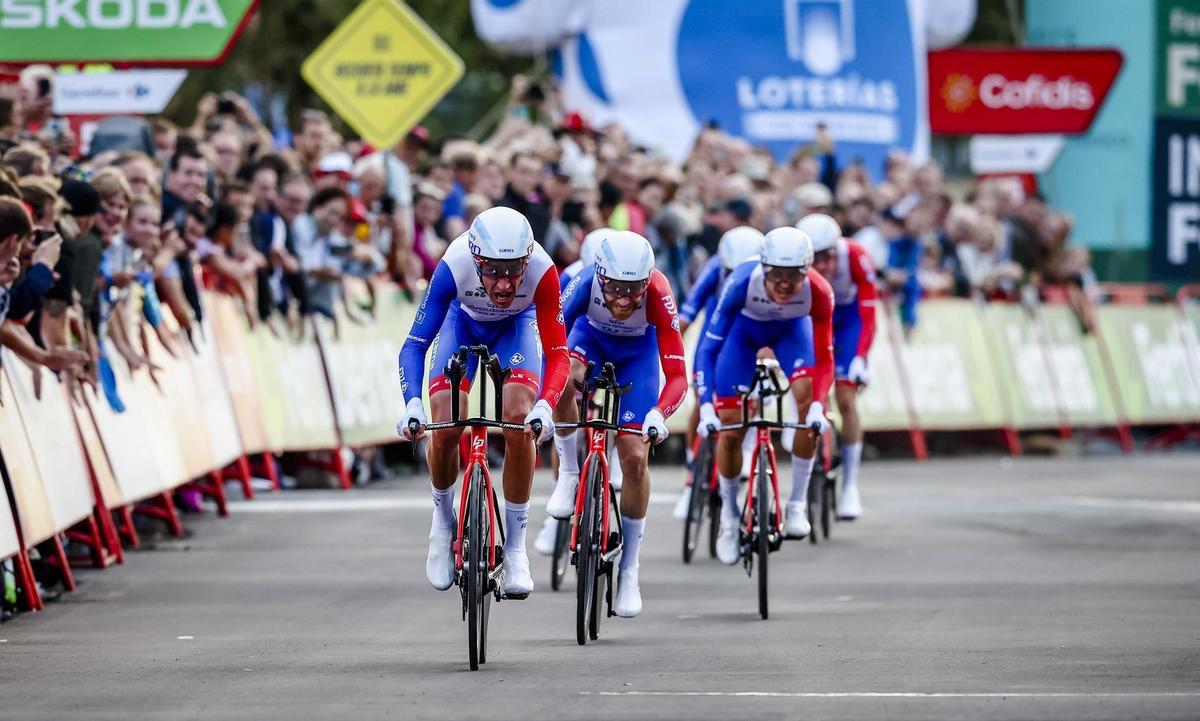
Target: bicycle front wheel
[
  {"x": 698, "y": 502},
  {"x": 587, "y": 557},
  {"x": 763, "y": 521},
  {"x": 475, "y": 559},
  {"x": 562, "y": 555}
]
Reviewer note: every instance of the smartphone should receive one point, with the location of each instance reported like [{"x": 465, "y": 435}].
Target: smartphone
[
  {"x": 41, "y": 235},
  {"x": 225, "y": 106},
  {"x": 43, "y": 87},
  {"x": 572, "y": 212}
]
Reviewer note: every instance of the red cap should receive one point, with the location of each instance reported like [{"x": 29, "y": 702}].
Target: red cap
[
  {"x": 420, "y": 133},
  {"x": 573, "y": 122}
]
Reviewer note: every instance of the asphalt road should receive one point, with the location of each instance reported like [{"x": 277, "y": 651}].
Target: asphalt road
[{"x": 985, "y": 588}]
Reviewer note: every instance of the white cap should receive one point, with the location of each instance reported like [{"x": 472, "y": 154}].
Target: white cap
[
  {"x": 813, "y": 195},
  {"x": 823, "y": 230},
  {"x": 337, "y": 162},
  {"x": 787, "y": 247},
  {"x": 500, "y": 234},
  {"x": 591, "y": 241},
  {"x": 624, "y": 255},
  {"x": 739, "y": 245}
]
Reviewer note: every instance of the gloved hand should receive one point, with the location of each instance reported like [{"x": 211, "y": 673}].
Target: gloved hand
[
  {"x": 857, "y": 373},
  {"x": 708, "y": 417},
  {"x": 414, "y": 411},
  {"x": 657, "y": 421},
  {"x": 541, "y": 412},
  {"x": 816, "y": 416}
]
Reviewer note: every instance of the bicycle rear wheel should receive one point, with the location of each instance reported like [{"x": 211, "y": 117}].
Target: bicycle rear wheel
[
  {"x": 475, "y": 558},
  {"x": 562, "y": 554},
  {"x": 828, "y": 493},
  {"x": 694, "y": 522},
  {"x": 587, "y": 557},
  {"x": 763, "y": 522}
]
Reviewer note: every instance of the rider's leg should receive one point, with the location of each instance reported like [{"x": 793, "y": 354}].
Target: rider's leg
[
  {"x": 849, "y": 504},
  {"x": 443, "y": 470},
  {"x": 518, "y": 462},
  {"x": 729, "y": 459},
  {"x": 632, "y": 453},
  {"x": 562, "y": 501}
]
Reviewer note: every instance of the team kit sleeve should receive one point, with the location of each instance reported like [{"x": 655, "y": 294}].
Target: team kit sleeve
[
  {"x": 661, "y": 313},
  {"x": 729, "y": 304},
  {"x": 553, "y": 333},
  {"x": 576, "y": 295},
  {"x": 706, "y": 284},
  {"x": 862, "y": 272},
  {"x": 441, "y": 292},
  {"x": 822, "y": 321}
]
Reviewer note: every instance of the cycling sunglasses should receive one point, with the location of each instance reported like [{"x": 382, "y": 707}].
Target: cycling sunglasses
[
  {"x": 624, "y": 288},
  {"x": 492, "y": 268},
  {"x": 783, "y": 274}
]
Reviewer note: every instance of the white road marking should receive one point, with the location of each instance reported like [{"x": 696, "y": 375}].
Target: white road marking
[
  {"x": 185, "y": 638},
  {"x": 1136, "y": 504},
  {"x": 894, "y": 694},
  {"x": 329, "y": 501}
]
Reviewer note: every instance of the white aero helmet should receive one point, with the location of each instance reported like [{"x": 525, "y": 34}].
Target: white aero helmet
[
  {"x": 591, "y": 241},
  {"x": 624, "y": 260},
  {"x": 739, "y": 245},
  {"x": 787, "y": 247},
  {"x": 823, "y": 230},
  {"x": 500, "y": 234}
]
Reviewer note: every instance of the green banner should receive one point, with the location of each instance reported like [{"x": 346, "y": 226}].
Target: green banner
[
  {"x": 1029, "y": 387},
  {"x": 1150, "y": 363},
  {"x": 1079, "y": 374},
  {"x": 185, "y": 31},
  {"x": 1177, "y": 31},
  {"x": 953, "y": 379},
  {"x": 290, "y": 384},
  {"x": 881, "y": 405}
]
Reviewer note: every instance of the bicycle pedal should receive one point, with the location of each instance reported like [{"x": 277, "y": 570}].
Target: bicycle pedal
[{"x": 514, "y": 596}]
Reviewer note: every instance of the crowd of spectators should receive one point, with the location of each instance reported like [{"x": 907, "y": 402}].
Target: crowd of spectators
[{"x": 99, "y": 247}]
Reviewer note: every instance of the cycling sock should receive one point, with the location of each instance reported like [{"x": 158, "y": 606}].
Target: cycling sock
[
  {"x": 568, "y": 458},
  {"x": 729, "y": 495},
  {"x": 851, "y": 455},
  {"x": 616, "y": 475},
  {"x": 634, "y": 529},
  {"x": 443, "y": 506},
  {"x": 802, "y": 469},
  {"x": 516, "y": 518}
]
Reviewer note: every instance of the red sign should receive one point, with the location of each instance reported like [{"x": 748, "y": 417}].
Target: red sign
[{"x": 1018, "y": 91}]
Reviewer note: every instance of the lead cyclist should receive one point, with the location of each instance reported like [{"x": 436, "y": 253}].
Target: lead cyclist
[{"x": 494, "y": 286}]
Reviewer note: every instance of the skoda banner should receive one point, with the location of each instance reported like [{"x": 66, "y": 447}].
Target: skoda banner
[{"x": 770, "y": 71}]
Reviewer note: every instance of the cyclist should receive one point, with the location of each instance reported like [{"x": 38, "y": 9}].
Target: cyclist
[
  {"x": 611, "y": 308},
  {"x": 848, "y": 268},
  {"x": 497, "y": 287},
  {"x": 774, "y": 301},
  {"x": 736, "y": 246}
]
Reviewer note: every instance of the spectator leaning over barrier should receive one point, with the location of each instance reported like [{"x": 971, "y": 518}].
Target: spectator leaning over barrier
[
  {"x": 318, "y": 234},
  {"x": 427, "y": 210}
]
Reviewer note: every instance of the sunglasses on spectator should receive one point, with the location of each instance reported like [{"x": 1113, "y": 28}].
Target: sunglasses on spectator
[
  {"x": 783, "y": 274},
  {"x": 624, "y": 288},
  {"x": 492, "y": 268}
]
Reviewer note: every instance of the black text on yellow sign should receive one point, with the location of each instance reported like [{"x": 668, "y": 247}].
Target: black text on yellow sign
[{"x": 382, "y": 70}]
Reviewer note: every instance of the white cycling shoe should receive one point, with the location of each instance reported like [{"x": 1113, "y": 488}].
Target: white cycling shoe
[
  {"x": 629, "y": 595},
  {"x": 439, "y": 564},
  {"x": 849, "y": 505},
  {"x": 795, "y": 520},
  {"x": 518, "y": 582},
  {"x": 562, "y": 502},
  {"x": 729, "y": 549},
  {"x": 544, "y": 543},
  {"x": 683, "y": 504}
]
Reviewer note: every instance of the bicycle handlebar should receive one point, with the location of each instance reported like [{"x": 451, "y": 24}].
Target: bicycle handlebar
[
  {"x": 599, "y": 425},
  {"x": 469, "y": 422}
]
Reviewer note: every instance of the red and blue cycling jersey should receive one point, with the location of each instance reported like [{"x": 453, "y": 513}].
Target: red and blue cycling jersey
[
  {"x": 746, "y": 319},
  {"x": 456, "y": 311},
  {"x": 703, "y": 295},
  {"x": 637, "y": 353},
  {"x": 854, "y": 297}
]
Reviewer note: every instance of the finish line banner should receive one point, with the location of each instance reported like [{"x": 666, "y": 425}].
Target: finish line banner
[{"x": 770, "y": 71}]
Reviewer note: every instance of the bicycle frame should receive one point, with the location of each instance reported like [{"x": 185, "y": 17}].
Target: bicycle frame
[
  {"x": 477, "y": 457},
  {"x": 767, "y": 386},
  {"x": 598, "y": 427}
]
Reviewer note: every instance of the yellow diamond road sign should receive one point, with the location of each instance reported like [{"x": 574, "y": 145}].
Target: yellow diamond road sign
[{"x": 382, "y": 70}]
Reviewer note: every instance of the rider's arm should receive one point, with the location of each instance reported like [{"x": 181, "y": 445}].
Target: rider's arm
[
  {"x": 430, "y": 314},
  {"x": 822, "y": 321},
  {"x": 554, "y": 337},
  {"x": 660, "y": 312},
  {"x": 862, "y": 272},
  {"x": 576, "y": 295},
  {"x": 729, "y": 304},
  {"x": 706, "y": 284}
]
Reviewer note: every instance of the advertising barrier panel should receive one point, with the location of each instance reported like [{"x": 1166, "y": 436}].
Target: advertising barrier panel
[
  {"x": 1150, "y": 362},
  {"x": 883, "y": 405},
  {"x": 33, "y": 507},
  {"x": 1084, "y": 391},
  {"x": 1027, "y": 382},
  {"x": 222, "y": 329}
]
